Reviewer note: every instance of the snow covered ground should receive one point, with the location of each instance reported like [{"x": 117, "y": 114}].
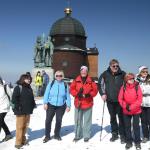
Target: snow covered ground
[{"x": 36, "y": 132}]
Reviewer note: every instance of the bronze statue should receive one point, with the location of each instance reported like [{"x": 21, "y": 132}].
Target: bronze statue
[
  {"x": 39, "y": 49},
  {"x": 48, "y": 52}
]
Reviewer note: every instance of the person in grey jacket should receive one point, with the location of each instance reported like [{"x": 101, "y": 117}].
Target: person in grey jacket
[
  {"x": 4, "y": 108},
  {"x": 110, "y": 82},
  {"x": 144, "y": 80}
]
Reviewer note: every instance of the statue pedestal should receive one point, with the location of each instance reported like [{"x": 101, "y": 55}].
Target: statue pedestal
[{"x": 48, "y": 70}]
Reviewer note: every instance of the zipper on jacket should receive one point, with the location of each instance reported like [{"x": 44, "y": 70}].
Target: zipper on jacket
[{"x": 57, "y": 95}]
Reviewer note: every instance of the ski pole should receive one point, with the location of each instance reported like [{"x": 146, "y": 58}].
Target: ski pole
[{"x": 102, "y": 120}]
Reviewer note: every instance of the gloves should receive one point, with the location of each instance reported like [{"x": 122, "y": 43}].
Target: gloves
[
  {"x": 128, "y": 107},
  {"x": 80, "y": 93},
  {"x": 87, "y": 95}
]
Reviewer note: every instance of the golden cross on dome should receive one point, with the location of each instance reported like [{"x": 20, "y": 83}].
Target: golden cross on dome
[
  {"x": 68, "y": 10},
  {"x": 68, "y": 3}
]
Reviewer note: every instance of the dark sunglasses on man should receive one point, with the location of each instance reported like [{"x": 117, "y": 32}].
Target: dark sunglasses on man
[{"x": 115, "y": 66}]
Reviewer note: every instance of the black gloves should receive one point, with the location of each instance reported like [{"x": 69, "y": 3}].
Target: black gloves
[
  {"x": 87, "y": 95},
  {"x": 128, "y": 107},
  {"x": 80, "y": 93}
]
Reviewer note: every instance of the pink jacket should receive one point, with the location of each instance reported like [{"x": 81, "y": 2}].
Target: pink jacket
[{"x": 129, "y": 96}]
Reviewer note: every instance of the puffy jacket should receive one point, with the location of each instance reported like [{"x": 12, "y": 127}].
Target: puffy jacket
[
  {"x": 23, "y": 100},
  {"x": 129, "y": 96},
  {"x": 57, "y": 95},
  {"x": 110, "y": 84},
  {"x": 4, "y": 101},
  {"x": 38, "y": 81},
  {"x": 145, "y": 87},
  {"x": 89, "y": 87}
]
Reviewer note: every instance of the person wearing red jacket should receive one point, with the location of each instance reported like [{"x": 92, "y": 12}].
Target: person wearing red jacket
[
  {"x": 130, "y": 99},
  {"x": 83, "y": 89}
]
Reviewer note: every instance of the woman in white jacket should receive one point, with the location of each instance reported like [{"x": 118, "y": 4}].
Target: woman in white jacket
[
  {"x": 4, "y": 108},
  {"x": 144, "y": 80}
]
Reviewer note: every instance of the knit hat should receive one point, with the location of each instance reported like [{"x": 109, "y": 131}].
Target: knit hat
[
  {"x": 141, "y": 68},
  {"x": 84, "y": 68}
]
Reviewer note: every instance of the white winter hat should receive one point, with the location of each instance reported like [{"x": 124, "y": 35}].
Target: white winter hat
[
  {"x": 84, "y": 68},
  {"x": 141, "y": 68}
]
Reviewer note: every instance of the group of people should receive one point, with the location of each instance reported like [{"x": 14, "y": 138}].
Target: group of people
[
  {"x": 57, "y": 100},
  {"x": 22, "y": 102},
  {"x": 41, "y": 81},
  {"x": 126, "y": 95}
]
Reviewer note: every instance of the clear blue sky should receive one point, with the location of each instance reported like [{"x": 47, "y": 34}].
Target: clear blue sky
[{"x": 120, "y": 29}]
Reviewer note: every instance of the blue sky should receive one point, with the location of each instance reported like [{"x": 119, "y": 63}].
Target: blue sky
[{"x": 120, "y": 29}]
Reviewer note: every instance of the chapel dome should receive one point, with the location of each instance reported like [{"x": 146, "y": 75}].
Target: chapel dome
[{"x": 67, "y": 25}]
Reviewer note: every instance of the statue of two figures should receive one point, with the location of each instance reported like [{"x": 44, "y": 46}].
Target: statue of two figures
[{"x": 43, "y": 52}]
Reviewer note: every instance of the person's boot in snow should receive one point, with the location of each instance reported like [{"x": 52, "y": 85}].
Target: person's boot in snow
[
  {"x": 46, "y": 139},
  {"x": 122, "y": 140},
  {"x": 114, "y": 137},
  {"x": 128, "y": 145},
  {"x": 76, "y": 139},
  {"x": 138, "y": 146},
  {"x": 57, "y": 137},
  {"x": 7, "y": 137}
]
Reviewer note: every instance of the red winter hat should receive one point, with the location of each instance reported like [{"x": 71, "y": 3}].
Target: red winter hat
[{"x": 129, "y": 76}]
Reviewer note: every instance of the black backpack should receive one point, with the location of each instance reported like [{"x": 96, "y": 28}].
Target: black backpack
[
  {"x": 11, "y": 102},
  {"x": 5, "y": 89}
]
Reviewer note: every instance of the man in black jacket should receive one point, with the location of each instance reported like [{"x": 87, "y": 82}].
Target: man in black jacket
[{"x": 110, "y": 82}]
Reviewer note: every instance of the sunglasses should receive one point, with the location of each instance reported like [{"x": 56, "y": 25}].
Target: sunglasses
[
  {"x": 58, "y": 75},
  {"x": 131, "y": 79},
  {"x": 115, "y": 66},
  {"x": 144, "y": 72}
]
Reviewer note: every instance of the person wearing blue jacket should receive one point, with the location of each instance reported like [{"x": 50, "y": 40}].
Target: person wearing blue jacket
[{"x": 56, "y": 101}]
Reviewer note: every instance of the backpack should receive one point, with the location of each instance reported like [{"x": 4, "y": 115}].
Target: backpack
[
  {"x": 11, "y": 103},
  {"x": 5, "y": 89}
]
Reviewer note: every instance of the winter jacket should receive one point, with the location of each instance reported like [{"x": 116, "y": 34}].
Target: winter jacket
[
  {"x": 57, "y": 95},
  {"x": 23, "y": 100},
  {"x": 110, "y": 84},
  {"x": 4, "y": 101},
  {"x": 45, "y": 79},
  {"x": 89, "y": 87},
  {"x": 129, "y": 96},
  {"x": 38, "y": 81},
  {"x": 145, "y": 86}
]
